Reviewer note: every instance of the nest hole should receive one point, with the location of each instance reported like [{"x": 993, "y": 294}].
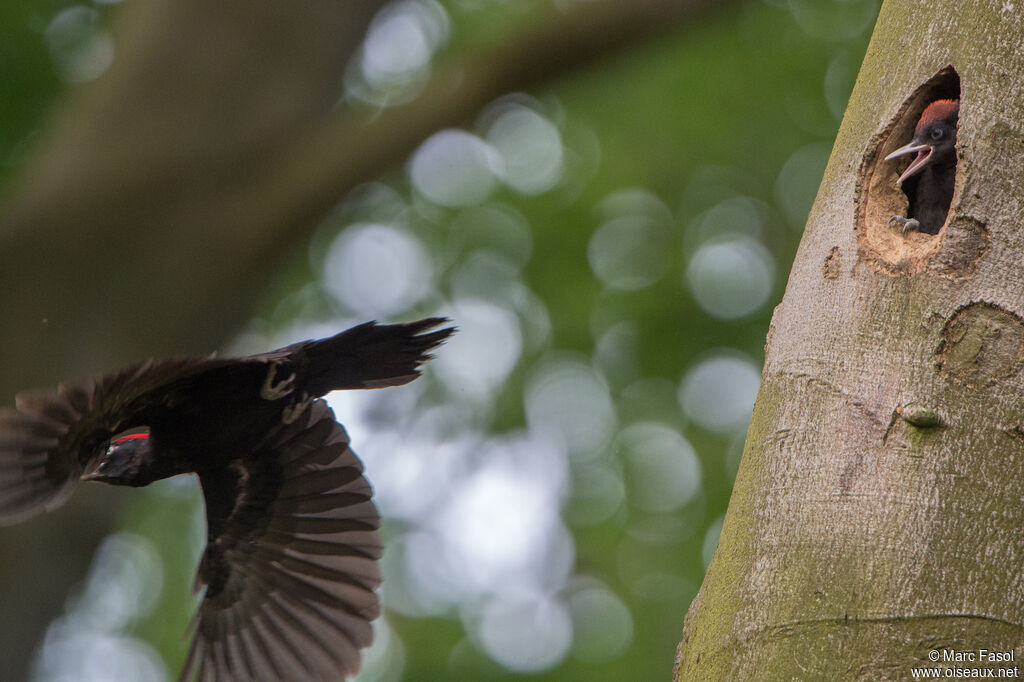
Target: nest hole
[{"x": 900, "y": 226}]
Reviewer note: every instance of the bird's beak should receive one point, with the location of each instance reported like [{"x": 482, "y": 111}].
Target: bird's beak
[
  {"x": 92, "y": 472},
  {"x": 923, "y": 151}
]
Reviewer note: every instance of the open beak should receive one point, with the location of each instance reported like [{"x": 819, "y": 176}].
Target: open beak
[{"x": 923, "y": 151}]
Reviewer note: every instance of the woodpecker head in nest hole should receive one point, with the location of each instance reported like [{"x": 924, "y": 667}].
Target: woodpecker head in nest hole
[
  {"x": 933, "y": 168},
  {"x": 934, "y": 140}
]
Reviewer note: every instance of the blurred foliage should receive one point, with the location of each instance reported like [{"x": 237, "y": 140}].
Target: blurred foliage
[
  {"x": 27, "y": 75},
  {"x": 685, "y": 172}
]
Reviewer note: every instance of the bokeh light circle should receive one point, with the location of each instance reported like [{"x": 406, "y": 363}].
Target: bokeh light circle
[
  {"x": 731, "y": 277},
  {"x": 377, "y": 271},
  {"x": 719, "y": 392},
  {"x": 455, "y": 168}
]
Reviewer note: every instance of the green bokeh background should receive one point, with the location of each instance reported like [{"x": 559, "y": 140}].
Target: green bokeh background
[{"x": 741, "y": 107}]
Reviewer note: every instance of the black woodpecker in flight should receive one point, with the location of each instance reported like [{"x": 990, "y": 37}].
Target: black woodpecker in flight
[{"x": 290, "y": 565}]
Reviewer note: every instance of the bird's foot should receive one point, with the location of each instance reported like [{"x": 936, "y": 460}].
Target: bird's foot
[
  {"x": 274, "y": 391},
  {"x": 293, "y": 412},
  {"x": 907, "y": 223}
]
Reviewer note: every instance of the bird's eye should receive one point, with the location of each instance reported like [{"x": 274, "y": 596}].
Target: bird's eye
[{"x": 938, "y": 133}]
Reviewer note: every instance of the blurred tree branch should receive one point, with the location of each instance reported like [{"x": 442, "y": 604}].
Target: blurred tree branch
[
  {"x": 167, "y": 189},
  {"x": 345, "y": 151},
  {"x": 162, "y": 194},
  {"x": 128, "y": 230}
]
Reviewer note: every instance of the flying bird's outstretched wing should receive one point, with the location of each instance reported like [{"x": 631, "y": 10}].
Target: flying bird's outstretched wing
[{"x": 290, "y": 566}]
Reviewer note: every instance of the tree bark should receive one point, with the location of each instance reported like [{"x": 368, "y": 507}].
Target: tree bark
[{"x": 877, "y": 520}]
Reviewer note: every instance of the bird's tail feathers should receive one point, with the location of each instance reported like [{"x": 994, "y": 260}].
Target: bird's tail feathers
[{"x": 371, "y": 355}]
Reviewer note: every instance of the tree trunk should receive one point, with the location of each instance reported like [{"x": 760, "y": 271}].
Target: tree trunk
[{"x": 877, "y": 520}]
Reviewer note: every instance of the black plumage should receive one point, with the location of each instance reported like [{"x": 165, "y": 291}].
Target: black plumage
[
  {"x": 930, "y": 178},
  {"x": 290, "y": 565}
]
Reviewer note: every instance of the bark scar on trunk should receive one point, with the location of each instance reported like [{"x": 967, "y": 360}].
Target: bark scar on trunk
[
  {"x": 830, "y": 268},
  {"x": 982, "y": 343}
]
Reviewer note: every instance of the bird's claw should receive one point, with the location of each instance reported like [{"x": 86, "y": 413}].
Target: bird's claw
[
  {"x": 272, "y": 391},
  {"x": 293, "y": 412},
  {"x": 907, "y": 223}
]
